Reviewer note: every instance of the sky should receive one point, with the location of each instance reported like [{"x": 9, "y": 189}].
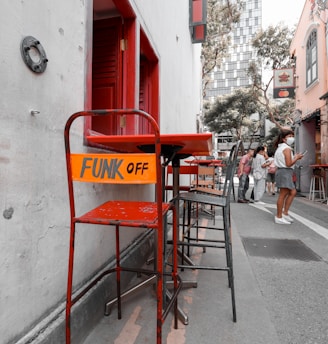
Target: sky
[{"x": 275, "y": 11}]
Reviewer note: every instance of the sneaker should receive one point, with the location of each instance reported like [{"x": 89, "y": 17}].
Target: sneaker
[
  {"x": 288, "y": 218},
  {"x": 273, "y": 193},
  {"x": 242, "y": 201},
  {"x": 259, "y": 202},
  {"x": 281, "y": 221}
]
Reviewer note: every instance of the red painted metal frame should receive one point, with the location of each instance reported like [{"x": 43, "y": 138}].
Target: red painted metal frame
[
  {"x": 125, "y": 214},
  {"x": 184, "y": 169},
  {"x": 213, "y": 162}
]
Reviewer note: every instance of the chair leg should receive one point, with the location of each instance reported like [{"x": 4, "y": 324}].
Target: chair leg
[
  {"x": 183, "y": 231},
  {"x": 228, "y": 248},
  {"x": 118, "y": 273},
  {"x": 175, "y": 265},
  {"x": 233, "y": 191},
  {"x": 189, "y": 212},
  {"x": 70, "y": 284},
  {"x": 227, "y": 243},
  {"x": 322, "y": 188},
  {"x": 159, "y": 289}
]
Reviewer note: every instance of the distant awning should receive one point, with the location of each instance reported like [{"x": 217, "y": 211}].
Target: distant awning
[
  {"x": 324, "y": 96},
  {"x": 311, "y": 115}
]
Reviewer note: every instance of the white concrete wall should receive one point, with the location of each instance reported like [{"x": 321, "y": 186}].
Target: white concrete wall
[
  {"x": 180, "y": 76},
  {"x": 34, "y": 203},
  {"x": 34, "y": 221}
]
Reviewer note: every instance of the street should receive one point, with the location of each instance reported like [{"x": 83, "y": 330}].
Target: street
[{"x": 281, "y": 281}]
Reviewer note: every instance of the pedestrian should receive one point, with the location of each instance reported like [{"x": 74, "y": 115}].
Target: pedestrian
[
  {"x": 285, "y": 160},
  {"x": 271, "y": 174},
  {"x": 244, "y": 169},
  {"x": 259, "y": 169}
]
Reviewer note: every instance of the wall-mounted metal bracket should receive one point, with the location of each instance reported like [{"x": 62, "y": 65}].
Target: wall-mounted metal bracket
[{"x": 33, "y": 54}]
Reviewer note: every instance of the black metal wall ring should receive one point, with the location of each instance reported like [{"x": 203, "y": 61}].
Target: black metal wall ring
[{"x": 38, "y": 63}]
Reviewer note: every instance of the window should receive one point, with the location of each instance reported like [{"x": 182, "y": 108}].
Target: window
[
  {"x": 197, "y": 20},
  {"x": 311, "y": 59},
  {"x": 117, "y": 62}
]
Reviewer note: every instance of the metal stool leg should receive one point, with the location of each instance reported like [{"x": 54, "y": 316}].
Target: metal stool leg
[
  {"x": 311, "y": 197},
  {"x": 69, "y": 303},
  {"x": 322, "y": 188}
]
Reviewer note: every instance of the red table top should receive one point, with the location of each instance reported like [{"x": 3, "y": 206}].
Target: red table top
[
  {"x": 192, "y": 144},
  {"x": 212, "y": 162}
]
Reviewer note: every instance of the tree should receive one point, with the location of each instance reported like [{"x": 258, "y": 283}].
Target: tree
[
  {"x": 222, "y": 15},
  {"x": 232, "y": 114},
  {"x": 272, "y": 50},
  {"x": 318, "y": 7},
  {"x": 271, "y": 138}
]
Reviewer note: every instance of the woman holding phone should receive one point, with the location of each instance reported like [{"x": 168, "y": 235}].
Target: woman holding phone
[{"x": 285, "y": 160}]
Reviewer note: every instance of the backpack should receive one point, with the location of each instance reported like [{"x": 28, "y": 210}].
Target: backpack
[{"x": 272, "y": 167}]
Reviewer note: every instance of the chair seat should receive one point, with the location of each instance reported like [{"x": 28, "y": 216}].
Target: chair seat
[
  {"x": 204, "y": 198},
  {"x": 207, "y": 183},
  {"x": 124, "y": 213},
  {"x": 181, "y": 187},
  {"x": 215, "y": 192}
]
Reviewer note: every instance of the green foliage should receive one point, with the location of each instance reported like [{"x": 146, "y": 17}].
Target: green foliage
[
  {"x": 271, "y": 138},
  {"x": 232, "y": 114},
  {"x": 272, "y": 51},
  {"x": 222, "y": 15},
  {"x": 272, "y": 47}
]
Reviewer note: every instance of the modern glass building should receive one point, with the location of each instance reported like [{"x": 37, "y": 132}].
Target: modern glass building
[{"x": 233, "y": 71}]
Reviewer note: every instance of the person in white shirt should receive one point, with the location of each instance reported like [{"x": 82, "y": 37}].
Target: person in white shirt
[
  {"x": 285, "y": 160},
  {"x": 259, "y": 170}
]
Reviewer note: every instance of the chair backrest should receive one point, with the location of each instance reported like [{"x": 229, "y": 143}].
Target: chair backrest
[
  {"x": 116, "y": 168},
  {"x": 231, "y": 169},
  {"x": 206, "y": 176},
  {"x": 184, "y": 169},
  {"x": 190, "y": 170}
]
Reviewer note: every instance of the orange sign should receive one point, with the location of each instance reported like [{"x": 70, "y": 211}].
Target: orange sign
[{"x": 114, "y": 168}]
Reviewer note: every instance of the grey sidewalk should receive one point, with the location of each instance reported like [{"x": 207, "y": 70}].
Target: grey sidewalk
[{"x": 279, "y": 298}]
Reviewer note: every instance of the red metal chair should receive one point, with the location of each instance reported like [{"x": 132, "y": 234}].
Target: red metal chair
[
  {"x": 190, "y": 170},
  {"x": 105, "y": 167}
]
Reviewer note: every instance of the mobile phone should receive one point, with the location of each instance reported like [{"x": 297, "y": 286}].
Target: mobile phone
[{"x": 304, "y": 152}]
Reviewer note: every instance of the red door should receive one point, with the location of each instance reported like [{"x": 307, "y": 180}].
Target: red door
[{"x": 107, "y": 72}]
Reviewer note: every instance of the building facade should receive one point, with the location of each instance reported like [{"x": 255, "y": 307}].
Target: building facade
[
  {"x": 60, "y": 57},
  {"x": 309, "y": 51},
  {"x": 232, "y": 73}
]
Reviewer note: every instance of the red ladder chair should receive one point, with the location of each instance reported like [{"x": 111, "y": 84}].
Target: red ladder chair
[
  {"x": 190, "y": 170},
  {"x": 108, "y": 168}
]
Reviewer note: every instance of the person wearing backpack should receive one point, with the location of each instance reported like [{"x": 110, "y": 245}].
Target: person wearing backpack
[{"x": 270, "y": 179}]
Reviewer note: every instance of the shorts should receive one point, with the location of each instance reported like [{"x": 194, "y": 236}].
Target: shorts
[
  {"x": 271, "y": 177},
  {"x": 284, "y": 178}
]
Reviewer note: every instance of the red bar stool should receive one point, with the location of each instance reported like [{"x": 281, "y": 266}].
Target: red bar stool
[
  {"x": 135, "y": 168},
  {"x": 219, "y": 199}
]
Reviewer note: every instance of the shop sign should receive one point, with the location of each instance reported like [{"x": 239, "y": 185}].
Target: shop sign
[
  {"x": 114, "y": 168},
  {"x": 283, "y": 83}
]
